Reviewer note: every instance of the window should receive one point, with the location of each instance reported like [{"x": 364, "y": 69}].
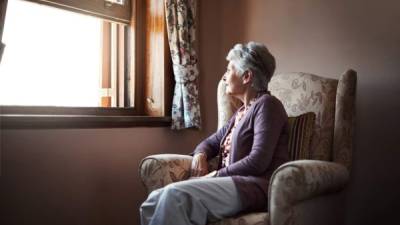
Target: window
[
  {"x": 70, "y": 60},
  {"x": 84, "y": 68},
  {"x": 61, "y": 57}
]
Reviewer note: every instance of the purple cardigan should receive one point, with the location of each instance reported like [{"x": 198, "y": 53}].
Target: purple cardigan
[{"x": 259, "y": 146}]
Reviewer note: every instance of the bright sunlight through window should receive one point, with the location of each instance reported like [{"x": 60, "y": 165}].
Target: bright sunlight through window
[{"x": 52, "y": 57}]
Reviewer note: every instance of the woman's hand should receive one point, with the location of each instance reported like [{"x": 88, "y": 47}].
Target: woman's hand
[
  {"x": 211, "y": 174},
  {"x": 199, "y": 165}
]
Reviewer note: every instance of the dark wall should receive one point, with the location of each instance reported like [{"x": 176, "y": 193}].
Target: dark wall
[{"x": 79, "y": 176}]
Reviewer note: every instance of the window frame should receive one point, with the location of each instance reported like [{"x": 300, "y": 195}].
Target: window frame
[
  {"x": 136, "y": 50},
  {"x": 100, "y": 8}
]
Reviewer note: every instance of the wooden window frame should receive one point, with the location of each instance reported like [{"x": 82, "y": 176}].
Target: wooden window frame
[
  {"x": 99, "y": 8},
  {"x": 146, "y": 63}
]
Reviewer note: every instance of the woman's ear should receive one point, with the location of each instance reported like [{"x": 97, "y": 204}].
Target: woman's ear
[{"x": 247, "y": 77}]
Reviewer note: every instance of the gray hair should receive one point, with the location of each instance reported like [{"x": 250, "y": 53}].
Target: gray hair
[{"x": 255, "y": 57}]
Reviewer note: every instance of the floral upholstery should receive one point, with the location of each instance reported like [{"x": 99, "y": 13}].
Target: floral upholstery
[
  {"x": 301, "y": 180},
  {"x": 300, "y": 93},
  {"x": 344, "y": 119},
  {"x": 302, "y": 191},
  {"x": 156, "y": 171}
]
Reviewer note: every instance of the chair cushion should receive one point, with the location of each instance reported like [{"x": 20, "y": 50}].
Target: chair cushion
[{"x": 300, "y": 134}]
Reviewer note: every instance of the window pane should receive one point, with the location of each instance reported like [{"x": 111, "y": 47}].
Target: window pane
[{"x": 52, "y": 57}]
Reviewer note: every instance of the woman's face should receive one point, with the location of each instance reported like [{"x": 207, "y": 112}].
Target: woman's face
[{"x": 233, "y": 80}]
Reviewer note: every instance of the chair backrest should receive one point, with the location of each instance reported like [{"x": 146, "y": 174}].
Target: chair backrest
[{"x": 331, "y": 100}]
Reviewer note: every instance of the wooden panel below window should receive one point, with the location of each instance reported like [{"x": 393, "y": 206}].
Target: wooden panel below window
[{"x": 79, "y": 121}]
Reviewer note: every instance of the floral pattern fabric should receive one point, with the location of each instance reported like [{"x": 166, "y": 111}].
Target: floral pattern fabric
[
  {"x": 156, "y": 171},
  {"x": 299, "y": 181},
  {"x": 180, "y": 18},
  {"x": 344, "y": 119},
  {"x": 301, "y": 93}
]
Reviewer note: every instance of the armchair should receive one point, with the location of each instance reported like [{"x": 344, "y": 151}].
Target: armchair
[{"x": 306, "y": 191}]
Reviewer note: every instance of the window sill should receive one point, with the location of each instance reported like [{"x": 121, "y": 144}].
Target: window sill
[{"x": 36, "y": 121}]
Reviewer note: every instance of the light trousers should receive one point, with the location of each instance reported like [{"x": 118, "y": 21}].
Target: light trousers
[{"x": 191, "y": 202}]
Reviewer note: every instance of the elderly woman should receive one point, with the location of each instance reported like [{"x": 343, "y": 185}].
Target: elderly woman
[{"x": 251, "y": 146}]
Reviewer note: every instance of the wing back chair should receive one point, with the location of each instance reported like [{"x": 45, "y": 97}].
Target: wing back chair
[{"x": 308, "y": 191}]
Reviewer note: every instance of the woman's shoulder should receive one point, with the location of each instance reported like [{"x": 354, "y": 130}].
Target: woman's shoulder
[{"x": 268, "y": 101}]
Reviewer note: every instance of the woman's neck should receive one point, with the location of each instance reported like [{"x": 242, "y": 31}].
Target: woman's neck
[{"x": 247, "y": 96}]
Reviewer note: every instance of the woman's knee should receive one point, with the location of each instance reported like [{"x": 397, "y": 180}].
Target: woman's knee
[
  {"x": 174, "y": 192},
  {"x": 152, "y": 199},
  {"x": 171, "y": 189},
  {"x": 155, "y": 194}
]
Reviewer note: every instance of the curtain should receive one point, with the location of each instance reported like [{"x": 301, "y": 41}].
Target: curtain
[{"x": 180, "y": 18}]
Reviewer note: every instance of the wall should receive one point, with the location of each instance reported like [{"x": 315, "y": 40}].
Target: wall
[
  {"x": 87, "y": 176},
  {"x": 326, "y": 38}
]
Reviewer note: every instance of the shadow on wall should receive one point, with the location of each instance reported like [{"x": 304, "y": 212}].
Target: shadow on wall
[
  {"x": 216, "y": 35},
  {"x": 234, "y": 25}
]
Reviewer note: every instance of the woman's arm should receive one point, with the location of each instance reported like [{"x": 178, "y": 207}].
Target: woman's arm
[
  {"x": 207, "y": 149},
  {"x": 269, "y": 120},
  {"x": 211, "y": 145}
]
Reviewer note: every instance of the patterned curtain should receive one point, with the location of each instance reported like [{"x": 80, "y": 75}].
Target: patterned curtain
[{"x": 180, "y": 16}]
